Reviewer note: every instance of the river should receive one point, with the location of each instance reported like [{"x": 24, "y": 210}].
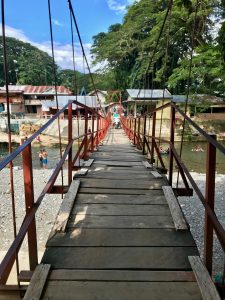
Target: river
[{"x": 195, "y": 160}]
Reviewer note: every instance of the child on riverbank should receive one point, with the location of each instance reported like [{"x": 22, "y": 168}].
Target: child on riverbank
[{"x": 45, "y": 158}]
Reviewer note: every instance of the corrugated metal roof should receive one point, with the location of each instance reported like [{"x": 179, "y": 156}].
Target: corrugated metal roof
[
  {"x": 90, "y": 101},
  {"x": 198, "y": 98},
  {"x": 37, "y": 90},
  {"x": 149, "y": 94}
]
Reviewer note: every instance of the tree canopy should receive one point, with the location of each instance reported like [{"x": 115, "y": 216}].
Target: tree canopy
[{"x": 127, "y": 48}]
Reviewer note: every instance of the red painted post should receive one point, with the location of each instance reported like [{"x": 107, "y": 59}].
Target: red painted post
[
  {"x": 86, "y": 136},
  {"x": 93, "y": 129},
  {"x": 138, "y": 132},
  {"x": 153, "y": 137},
  {"x": 29, "y": 203},
  {"x": 97, "y": 141},
  {"x": 172, "y": 128},
  {"x": 144, "y": 133},
  {"x": 70, "y": 130},
  {"x": 130, "y": 128},
  {"x": 135, "y": 126},
  {"x": 210, "y": 199}
]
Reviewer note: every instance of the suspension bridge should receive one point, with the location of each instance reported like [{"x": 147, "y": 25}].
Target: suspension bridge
[{"x": 120, "y": 232}]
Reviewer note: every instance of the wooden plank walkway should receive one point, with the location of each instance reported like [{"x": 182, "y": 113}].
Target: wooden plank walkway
[{"x": 120, "y": 242}]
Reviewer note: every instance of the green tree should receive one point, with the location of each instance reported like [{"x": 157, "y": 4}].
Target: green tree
[{"x": 26, "y": 64}]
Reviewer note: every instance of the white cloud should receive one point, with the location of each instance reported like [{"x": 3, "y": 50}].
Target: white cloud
[
  {"x": 119, "y": 6},
  {"x": 63, "y": 52},
  {"x": 57, "y": 23},
  {"x": 116, "y": 6},
  {"x": 15, "y": 33}
]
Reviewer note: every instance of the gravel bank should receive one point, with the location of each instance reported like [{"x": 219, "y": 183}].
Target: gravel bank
[
  {"x": 45, "y": 215},
  {"x": 194, "y": 213}
]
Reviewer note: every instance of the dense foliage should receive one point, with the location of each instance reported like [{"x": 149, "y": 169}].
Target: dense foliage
[
  {"x": 126, "y": 49},
  {"x": 26, "y": 64},
  {"x": 29, "y": 65}
]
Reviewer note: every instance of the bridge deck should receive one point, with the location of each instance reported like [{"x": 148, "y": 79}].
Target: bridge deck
[{"x": 120, "y": 242}]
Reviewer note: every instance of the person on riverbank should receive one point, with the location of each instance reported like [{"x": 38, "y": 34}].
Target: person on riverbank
[
  {"x": 45, "y": 158},
  {"x": 40, "y": 155}
]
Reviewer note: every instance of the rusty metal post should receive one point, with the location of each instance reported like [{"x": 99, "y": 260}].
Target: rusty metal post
[
  {"x": 29, "y": 203},
  {"x": 153, "y": 137},
  {"x": 70, "y": 130},
  {"x": 172, "y": 129},
  {"x": 210, "y": 199},
  {"x": 144, "y": 133},
  {"x": 135, "y": 126},
  {"x": 86, "y": 134}
]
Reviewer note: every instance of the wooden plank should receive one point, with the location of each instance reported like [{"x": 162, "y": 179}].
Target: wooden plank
[
  {"x": 122, "y": 290},
  {"x": 114, "y": 275},
  {"x": 125, "y": 191},
  {"x": 205, "y": 283},
  {"x": 118, "y": 175},
  {"x": 89, "y": 221},
  {"x": 121, "y": 210},
  {"x": 38, "y": 280},
  {"x": 117, "y": 163},
  {"x": 81, "y": 172},
  {"x": 121, "y": 184},
  {"x": 133, "y": 170},
  {"x": 117, "y": 154},
  {"x": 147, "y": 165},
  {"x": 155, "y": 258},
  {"x": 79, "y": 237},
  {"x": 65, "y": 209},
  {"x": 177, "y": 215},
  {"x": 88, "y": 162},
  {"x": 156, "y": 174},
  {"x": 155, "y": 198}
]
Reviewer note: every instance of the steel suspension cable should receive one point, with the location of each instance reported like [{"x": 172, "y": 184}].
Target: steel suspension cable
[
  {"x": 84, "y": 54},
  {"x": 5, "y": 62},
  {"x": 159, "y": 36},
  {"x": 75, "y": 80},
  {"x": 188, "y": 83},
  {"x": 55, "y": 84},
  {"x": 164, "y": 74}
]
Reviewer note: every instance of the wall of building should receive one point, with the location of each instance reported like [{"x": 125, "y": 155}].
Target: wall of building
[{"x": 166, "y": 111}]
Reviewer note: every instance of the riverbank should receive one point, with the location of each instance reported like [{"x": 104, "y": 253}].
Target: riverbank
[
  {"x": 195, "y": 214},
  {"x": 45, "y": 140}
]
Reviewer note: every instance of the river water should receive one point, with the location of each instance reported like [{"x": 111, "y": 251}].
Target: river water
[
  {"x": 195, "y": 161},
  {"x": 53, "y": 155}
]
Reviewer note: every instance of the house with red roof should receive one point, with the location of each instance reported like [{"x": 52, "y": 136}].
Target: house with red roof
[{"x": 30, "y": 99}]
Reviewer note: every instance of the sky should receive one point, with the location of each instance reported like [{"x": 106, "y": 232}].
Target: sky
[{"x": 27, "y": 20}]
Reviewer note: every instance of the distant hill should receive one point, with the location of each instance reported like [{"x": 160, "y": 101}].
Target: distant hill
[{"x": 29, "y": 65}]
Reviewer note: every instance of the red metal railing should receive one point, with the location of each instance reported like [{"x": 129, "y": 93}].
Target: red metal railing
[
  {"x": 137, "y": 131},
  {"x": 90, "y": 139}
]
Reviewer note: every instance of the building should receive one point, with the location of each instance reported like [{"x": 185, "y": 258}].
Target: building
[
  {"x": 102, "y": 95},
  {"x": 146, "y": 100},
  {"x": 30, "y": 99},
  {"x": 201, "y": 106},
  {"x": 50, "y": 106}
]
